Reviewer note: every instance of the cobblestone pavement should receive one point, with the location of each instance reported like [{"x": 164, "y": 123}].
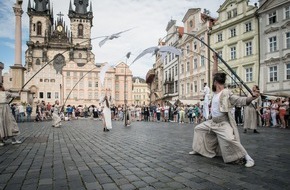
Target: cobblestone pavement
[{"x": 79, "y": 155}]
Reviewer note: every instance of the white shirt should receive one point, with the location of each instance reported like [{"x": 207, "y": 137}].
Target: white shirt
[{"x": 215, "y": 106}]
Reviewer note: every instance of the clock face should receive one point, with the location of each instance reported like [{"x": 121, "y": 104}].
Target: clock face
[{"x": 59, "y": 28}]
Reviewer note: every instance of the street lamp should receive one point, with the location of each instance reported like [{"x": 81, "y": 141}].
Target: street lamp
[{"x": 125, "y": 98}]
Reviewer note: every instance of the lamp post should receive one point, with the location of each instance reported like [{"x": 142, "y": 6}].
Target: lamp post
[{"x": 125, "y": 98}]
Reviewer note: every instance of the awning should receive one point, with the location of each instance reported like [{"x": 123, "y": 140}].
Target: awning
[{"x": 277, "y": 94}]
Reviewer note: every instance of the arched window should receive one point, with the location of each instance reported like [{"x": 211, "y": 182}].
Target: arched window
[
  {"x": 37, "y": 62},
  {"x": 80, "y": 30},
  {"x": 39, "y": 28}
]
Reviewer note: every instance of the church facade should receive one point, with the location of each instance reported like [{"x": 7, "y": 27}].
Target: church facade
[{"x": 61, "y": 58}]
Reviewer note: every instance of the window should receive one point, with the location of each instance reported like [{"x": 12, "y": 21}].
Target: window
[
  {"x": 201, "y": 84},
  {"x": 288, "y": 40},
  {"x": 202, "y": 61},
  {"x": 182, "y": 89},
  {"x": 287, "y": 12},
  {"x": 248, "y": 26},
  {"x": 187, "y": 88},
  {"x": 165, "y": 75},
  {"x": 176, "y": 86},
  {"x": 233, "y": 32},
  {"x": 220, "y": 53},
  {"x": 249, "y": 48},
  {"x": 233, "y": 53},
  {"x": 169, "y": 73},
  {"x": 201, "y": 39},
  {"x": 195, "y": 46},
  {"x": 187, "y": 66},
  {"x": 56, "y": 96},
  {"x": 273, "y": 74},
  {"x": 80, "y": 30},
  {"x": 52, "y": 80},
  {"x": 220, "y": 37},
  {"x": 195, "y": 86},
  {"x": 68, "y": 74},
  {"x": 90, "y": 84},
  {"x": 187, "y": 49},
  {"x": 191, "y": 88},
  {"x": 195, "y": 63},
  {"x": 37, "y": 62},
  {"x": 190, "y": 23},
  {"x": 40, "y": 94},
  {"x": 48, "y": 95},
  {"x": 288, "y": 71},
  {"x": 182, "y": 68},
  {"x": 175, "y": 70},
  {"x": 96, "y": 84},
  {"x": 273, "y": 44},
  {"x": 272, "y": 18},
  {"x": 233, "y": 77},
  {"x": 235, "y": 12},
  {"x": 229, "y": 14},
  {"x": 90, "y": 95},
  {"x": 39, "y": 28},
  {"x": 249, "y": 74}
]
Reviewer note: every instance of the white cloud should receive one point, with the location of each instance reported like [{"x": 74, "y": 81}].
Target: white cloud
[{"x": 111, "y": 16}]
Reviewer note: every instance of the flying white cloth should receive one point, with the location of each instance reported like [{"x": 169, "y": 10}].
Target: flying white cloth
[
  {"x": 103, "y": 73},
  {"x": 163, "y": 50},
  {"x": 111, "y": 37}
]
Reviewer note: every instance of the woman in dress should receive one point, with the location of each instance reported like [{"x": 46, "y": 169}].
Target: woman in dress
[
  {"x": 56, "y": 119},
  {"x": 106, "y": 116},
  {"x": 8, "y": 125}
]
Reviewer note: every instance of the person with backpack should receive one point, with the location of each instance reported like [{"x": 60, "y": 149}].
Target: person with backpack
[{"x": 28, "y": 113}]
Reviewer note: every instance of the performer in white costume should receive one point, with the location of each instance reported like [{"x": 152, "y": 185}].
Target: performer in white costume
[
  {"x": 206, "y": 101},
  {"x": 8, "y": 125},
  {"x": 106, "y": 115},
  {"x": 55, "y": 115}
]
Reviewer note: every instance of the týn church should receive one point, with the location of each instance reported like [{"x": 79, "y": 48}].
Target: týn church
[{"x": 67, "y": 51}]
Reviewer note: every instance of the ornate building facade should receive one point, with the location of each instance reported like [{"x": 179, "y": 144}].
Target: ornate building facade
[
  {"x": 61, "y": 58},
  {"x": 235, "y": 37},
  {"x": 195, "y": 61},
  {"x": 274, "y": 20},
  {"x": 140, "y": 92}
]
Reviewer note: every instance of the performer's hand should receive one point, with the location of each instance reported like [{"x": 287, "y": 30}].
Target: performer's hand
[{"x": 256, "y": 94}]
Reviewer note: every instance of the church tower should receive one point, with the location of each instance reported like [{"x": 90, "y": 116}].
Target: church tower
[{"x": 81, "y": 23}]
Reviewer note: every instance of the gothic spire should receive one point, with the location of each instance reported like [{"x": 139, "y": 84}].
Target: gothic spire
[
  {"x": 70, "y": 6},
  {"x": 91, "y": 7},
  {"x": 29, "y": 5}
]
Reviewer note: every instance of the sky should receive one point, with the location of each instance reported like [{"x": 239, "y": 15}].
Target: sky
[{"x": 148, "y": 18}]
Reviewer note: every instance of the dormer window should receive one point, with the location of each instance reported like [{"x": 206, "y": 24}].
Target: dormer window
[
  {"x": 80, "y": 30},
  {"x": 39, "y": 28}
]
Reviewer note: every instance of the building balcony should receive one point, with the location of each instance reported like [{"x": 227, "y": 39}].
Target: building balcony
[{"x": 150, "y": 76}]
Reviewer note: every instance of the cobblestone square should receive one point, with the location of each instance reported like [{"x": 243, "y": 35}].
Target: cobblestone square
[{"x": 146, "y": 155}]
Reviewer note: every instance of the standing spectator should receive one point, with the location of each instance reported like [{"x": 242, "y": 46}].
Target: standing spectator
[
  {"x": 190, "y": 114},
  {"x": 86, "y": 110},
  {"x": 91, "y": 110},
  {"x": 181, "y": 114},
  {"x": 287, "y": 116},
  {"x": 13, "y": 108},
  {"x": 238, "y": 115},
  {"x": 251, "y": 119},
  {"x": 158, "y": 112},
  {"x": 206, "y": 101},
  {"x": 21, "y": 112},
  {"x": 28, "y": 112},
  {"x": 175, "y": 113},
  {"x": 283, "y": 104},
  {"x": 166, "y": 113},
  {"x": 274, "y": 110}
]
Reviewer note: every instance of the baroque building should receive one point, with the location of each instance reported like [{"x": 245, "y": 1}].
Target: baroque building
[
  {"x": 235, "y": 37},
  {"x": 274, "y": 20},
  {"x": 140, "y": 92},
  {"x": 171, "y": 62},
  {"x": 194, "y": 62},
  {"x": 60, "y": 56}
]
